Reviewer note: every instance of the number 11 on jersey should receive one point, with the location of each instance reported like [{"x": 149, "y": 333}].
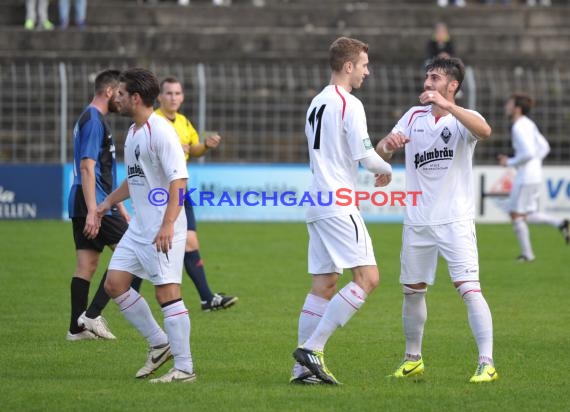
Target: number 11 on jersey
[{"x": 317, "y": 131}]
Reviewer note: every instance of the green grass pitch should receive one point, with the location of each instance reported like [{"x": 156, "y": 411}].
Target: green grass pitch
[{"x": 243, "y": 355}]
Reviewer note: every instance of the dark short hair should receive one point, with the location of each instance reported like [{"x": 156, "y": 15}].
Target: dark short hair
[
  {"x": 143, "y": 82},
  {"x": 452, "y": 67},
  {"x": 345, "y": 49},
  {"x": 106, "y": 78},
  {"x": 524, "y": 101},
  {"x": 169, "y": 79}
]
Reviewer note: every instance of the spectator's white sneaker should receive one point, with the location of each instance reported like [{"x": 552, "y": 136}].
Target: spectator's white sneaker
[
  {"x": 83, "y": 335},
  {"x": 98, "y": 326},
  {"x": 175, "y": 375},
  {"x": 157, "y": 356}
]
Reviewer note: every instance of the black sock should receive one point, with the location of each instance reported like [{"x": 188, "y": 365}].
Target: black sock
[
  {"x": 170, "y": 302},
  {"x": 136, "y": 283},
  {"x": 195, "y": 269},
  {"x": 101, "y": 298},
  {"x": 99, "y": 301},
  {"x": 79, "y": 297}
]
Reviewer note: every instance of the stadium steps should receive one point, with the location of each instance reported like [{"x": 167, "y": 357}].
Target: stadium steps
[
  {"x": 290, "y": 30},
  {"x": 221, "y": 44}
]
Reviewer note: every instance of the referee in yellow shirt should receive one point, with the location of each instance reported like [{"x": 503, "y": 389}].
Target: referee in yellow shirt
[{"x": 170, "y": 98}]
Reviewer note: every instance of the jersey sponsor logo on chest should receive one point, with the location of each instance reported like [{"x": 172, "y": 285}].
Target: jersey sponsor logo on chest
[
  {"x": 134, "y": 171},
  {"x": 428, "y": 156}
]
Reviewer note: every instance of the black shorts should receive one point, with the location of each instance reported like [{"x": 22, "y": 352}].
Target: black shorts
[
  {"x": 190, "y": 219},
  {"x": 112, "y": 229}
]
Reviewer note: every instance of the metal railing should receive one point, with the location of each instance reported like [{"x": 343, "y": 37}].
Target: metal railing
[{"x": 259, "y": 108}]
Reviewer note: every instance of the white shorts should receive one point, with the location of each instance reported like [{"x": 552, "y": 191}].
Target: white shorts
[
  {"x": 143, "y": 260},
  {"x": 421, "y": 245},
  {"x": 524, "y": 198},
  {"x": 339, "y": 242}
]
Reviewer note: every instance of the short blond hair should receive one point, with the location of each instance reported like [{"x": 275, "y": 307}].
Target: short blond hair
[{"x": 345, "y": 49}]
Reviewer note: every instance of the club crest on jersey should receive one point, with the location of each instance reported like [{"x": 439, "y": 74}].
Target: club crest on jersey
[
  {"x": 445, "y": 135},
  {"x": 137, "y": 152},
  {"x": 367, "y": 143}
]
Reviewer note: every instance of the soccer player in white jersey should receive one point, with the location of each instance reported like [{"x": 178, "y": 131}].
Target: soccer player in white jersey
[
  {"x": 439, "y": 138},
  {"x": 153, "y": 246},
  {"x": 530, "y": 148},
  {"x": 338, "y": 142}
]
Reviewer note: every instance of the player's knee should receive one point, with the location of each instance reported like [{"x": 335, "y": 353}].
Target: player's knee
[
  {"x": 469, "y": 290},
  {"x": 367, "y": 277},
  {"x": 416, "y": 290},
  {"x": 110, "y": 287},
  {"x": 115, "y": 286},
  {"x": 86, "y": 267},
  {"x": 324, "y": 292},
  {"x": 517, "y": 220},
  {"x": 192, "y": 241},
  {"x": 373, "y": 280},
  {"x": 167, "y": 293},
  {"x": 323, "y": 288}
]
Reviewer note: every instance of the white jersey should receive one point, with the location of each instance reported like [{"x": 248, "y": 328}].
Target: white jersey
[
  {"x": 337, "y": 136},
  {"x": 530, "y": 148},
  {"x": 439, "y": 165},
  {"x": 154, "y": 158}
]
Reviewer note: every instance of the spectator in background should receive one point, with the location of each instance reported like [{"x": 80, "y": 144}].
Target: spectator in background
[
  {"x": 541, "y": 2},
  {"x": 40, "y": 18},
  {"x": 530, "y": 148},
  {"x": 256, "y": 3},
  {"x": 440, "y": 44},
  {"x": 80, "y": 7},
  {"x": 444, "y": 3}
]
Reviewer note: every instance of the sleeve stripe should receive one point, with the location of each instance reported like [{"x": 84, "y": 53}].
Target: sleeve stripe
[{"x": 414, "y": 113}]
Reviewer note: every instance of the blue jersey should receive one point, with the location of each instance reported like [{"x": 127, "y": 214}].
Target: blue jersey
[{"x": 92, "y": 139}]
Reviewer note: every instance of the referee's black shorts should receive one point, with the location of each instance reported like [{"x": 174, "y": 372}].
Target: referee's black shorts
[{"x": 112, "y": 229}]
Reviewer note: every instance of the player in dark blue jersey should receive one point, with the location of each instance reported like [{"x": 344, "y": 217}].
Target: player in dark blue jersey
[{"x": 94, "y": 172}]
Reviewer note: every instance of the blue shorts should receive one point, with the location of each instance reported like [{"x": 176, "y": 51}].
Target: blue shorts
[{"x": 190, "y": 218}]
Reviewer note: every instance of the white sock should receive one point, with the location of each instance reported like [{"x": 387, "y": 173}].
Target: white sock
[
  {"x": 340, "y": 309},
  {"x": 542, "y": 218},
  {"x": 479, "y": 317},
  {"x": 177, "y": 326},
  {"x": 311, "y": 314},
  {"x": 414, "y": 316},
  {"x": 135, "y": 309},
  {"x": 521, "y": 231}
]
